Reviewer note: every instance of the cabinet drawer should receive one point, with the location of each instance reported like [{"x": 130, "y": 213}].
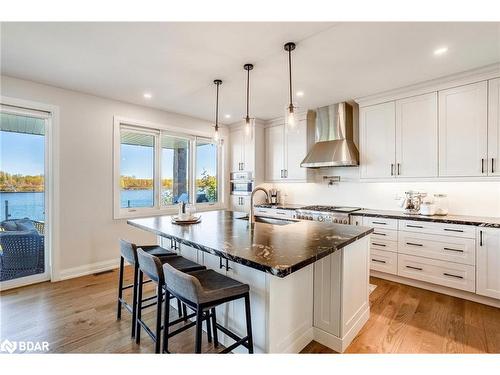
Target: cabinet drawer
[
  {"x": 453, "y": 275},
  {"x": 384, "y": 234},
  {"x": 455, "y": 230},
  {"x": 376, "y": 222},
  {"x": 384, "y": 261},
  {"x": 447, "y": 248},
  {"x": 261, "y": 211},
  {"x": 274, "y": 212},
  {"x": 377, "y": 243}
]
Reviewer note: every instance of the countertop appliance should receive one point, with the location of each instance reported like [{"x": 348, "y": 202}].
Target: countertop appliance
[
  {"x": 331, "y": 214},
  {"x": 334, "y": 145}
]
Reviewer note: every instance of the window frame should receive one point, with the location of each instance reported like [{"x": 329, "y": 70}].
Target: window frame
[{"x": 158, "y": 130}]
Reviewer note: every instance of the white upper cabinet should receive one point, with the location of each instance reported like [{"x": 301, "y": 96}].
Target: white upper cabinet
[
  {"x": 417, "y": 136},
  {"x": 285, "y": 150},
  {"x": 463, "y": 130},
  {"x": 494, "y": 127},
  {"x": 488, "y": 262},
  {"x": 377, "y": 140},
  {"x": 236, "y": 147},
  {"x": 275, "y": 152},
  {"x": 296, "y": 151}
]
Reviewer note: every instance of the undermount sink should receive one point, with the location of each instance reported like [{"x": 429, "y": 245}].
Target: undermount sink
[{"x": 268, "y": 220}]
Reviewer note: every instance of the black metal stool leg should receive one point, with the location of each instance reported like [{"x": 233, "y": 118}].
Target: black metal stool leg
[
  {"x": 214, "y": 327},
  {"x": 139, "y": 309},
  {"x": 184, "y": 312},
  {"x": 249, "y": 323},
  {"x": 166, "y": 318},
  {"x": 120, "y": 290},
  {"x": 134, "y": 299},
  {"x": 209, "y": 328},
  {"x": 159, "y": 304},
  {"x": 199, "y": 321},
  {"x": 179, "y": 308}
]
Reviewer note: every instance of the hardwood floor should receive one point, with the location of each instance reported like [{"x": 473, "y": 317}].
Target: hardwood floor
[{"x": 79, "y": 315}]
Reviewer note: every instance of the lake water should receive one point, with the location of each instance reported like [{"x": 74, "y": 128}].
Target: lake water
[{"x": 32, "y": 205}]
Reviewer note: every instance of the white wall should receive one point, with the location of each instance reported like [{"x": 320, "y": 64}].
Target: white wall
[
  {"x": 477, "y": 198},
  {"x": 88, "y": 234}
]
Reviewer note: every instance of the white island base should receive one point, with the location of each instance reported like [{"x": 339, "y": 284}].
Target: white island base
[{"x": 326, "y": 301}]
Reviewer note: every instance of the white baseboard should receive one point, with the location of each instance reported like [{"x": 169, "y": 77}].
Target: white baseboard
[
  {"x": 87, "y": 269},
  {"x": 300, "y": 342},
  {"x": 340, "y": 344},
  {"x": 437, "y": 288}
]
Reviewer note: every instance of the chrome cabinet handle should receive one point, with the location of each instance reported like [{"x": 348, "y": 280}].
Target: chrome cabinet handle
[
  {"x": 378, "y": 261},
  {"x": 414, "y": 244},
  {"x": 399, "y": 169},
  {"x": 415, "y": 268},
  {"x": 286, "y": 173},
  {"x": 450, "y": 249},
  {"x": 282, "y": 173},
  {"x": 482, "y": 165},
  {"x": 392, "y": 169},
  {"x": 451, "y": 275},
  {"x": 492, "y": 165}
]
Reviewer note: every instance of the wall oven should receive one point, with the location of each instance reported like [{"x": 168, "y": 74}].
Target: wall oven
[{"x": 241, "y": 183}]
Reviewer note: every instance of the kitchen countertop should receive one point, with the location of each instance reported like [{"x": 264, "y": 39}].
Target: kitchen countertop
[
  {"x": 292, "y": 207},
  {"x": 480, "y": 221},
  {"x": 276, "y": 249}
]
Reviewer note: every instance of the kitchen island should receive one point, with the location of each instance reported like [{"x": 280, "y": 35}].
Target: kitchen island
[{"x": 308, "y": 280}]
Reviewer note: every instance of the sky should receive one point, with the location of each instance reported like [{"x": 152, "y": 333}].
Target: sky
[
  {"x": 138, "y": 161},
  {"x": 22, "y": 153}
]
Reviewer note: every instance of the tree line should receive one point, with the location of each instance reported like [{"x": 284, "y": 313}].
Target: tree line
[{"x": 21, "y": 183}]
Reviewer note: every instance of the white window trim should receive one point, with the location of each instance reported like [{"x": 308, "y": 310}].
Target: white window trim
[{"x": 157, "y": 209}]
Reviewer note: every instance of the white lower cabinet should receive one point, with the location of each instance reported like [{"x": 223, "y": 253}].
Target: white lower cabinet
[
  {"x": 453, "y": 275},
  {"x": 488, "y": 262},
  {"x": 240, "y": 203},
  {"x": 383, "y": 261}
]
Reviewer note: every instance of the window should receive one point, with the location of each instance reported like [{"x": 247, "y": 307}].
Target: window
[
  {"x": 206, "y": 171},
  {"x": 136, "y": 169},
  {"x": 157, "y": 167},
  {"x": 174, "y": 170}
]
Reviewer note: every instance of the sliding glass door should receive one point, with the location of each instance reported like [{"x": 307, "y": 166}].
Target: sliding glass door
[{"x": 24, "y": 254}]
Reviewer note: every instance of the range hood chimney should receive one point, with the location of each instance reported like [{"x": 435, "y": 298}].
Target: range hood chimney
[{"x": 334, "y": 145}]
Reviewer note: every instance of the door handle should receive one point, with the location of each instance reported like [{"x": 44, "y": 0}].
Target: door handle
[
  {"x": 281, "y": 173},
  {"x": 286, "y": 173},
  {"x": 399, "y": 169},
  {"x": 482, "y": 165},
  {"x": 492, "y": 165},
  {"x": 480, "y": 238},
  {"x": 392, "y": 169}
]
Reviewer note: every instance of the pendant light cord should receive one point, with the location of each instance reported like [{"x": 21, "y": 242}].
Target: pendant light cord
[
  {"x": 217, "y": 108},
  {"x": 290, "y": 74},
  {"x": 248, "y": 90}
]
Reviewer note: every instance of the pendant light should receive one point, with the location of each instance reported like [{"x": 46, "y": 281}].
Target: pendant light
[
  {"x": 248, "y": 120},
  {"x": 217, "y": 82},
  {"x": 290, "y": 112}
]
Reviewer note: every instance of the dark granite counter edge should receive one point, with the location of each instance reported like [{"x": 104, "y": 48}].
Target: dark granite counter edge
[
  {"x": 279, "y": 207},
  {"x": 279, "y": 272},
  {"x": 433, "y": 219}
]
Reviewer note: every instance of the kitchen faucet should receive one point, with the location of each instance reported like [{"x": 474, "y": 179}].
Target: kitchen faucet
[{"x": 251, "y": 217}]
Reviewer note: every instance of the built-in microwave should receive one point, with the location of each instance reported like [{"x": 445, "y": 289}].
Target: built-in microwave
[{"x": 241, "y": 183}]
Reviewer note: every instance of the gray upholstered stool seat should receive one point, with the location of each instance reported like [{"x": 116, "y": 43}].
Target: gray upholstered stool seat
[
  {"x": 202, "y": 291},
  {"x": 215, "y": 287},
  {"x": 157, "y": 251}
]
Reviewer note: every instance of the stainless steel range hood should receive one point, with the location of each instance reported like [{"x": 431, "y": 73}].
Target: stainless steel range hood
[{"x": 334, "y": 145}]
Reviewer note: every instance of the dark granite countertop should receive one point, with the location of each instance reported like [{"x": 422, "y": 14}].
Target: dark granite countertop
[
  {"x": 276, "y": 249},
  {"x": 292, "y": 207},
  {"x": 491, "y": 222}
]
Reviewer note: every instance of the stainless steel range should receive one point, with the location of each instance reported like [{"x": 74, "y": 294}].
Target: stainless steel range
[{"x": 331, "y": 214}]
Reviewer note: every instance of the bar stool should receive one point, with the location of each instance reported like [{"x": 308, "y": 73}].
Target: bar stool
[
  {"x": 202, "y": 291},
  {"x": 128, "y": 253},
  {"x": 151, "y": 266}
]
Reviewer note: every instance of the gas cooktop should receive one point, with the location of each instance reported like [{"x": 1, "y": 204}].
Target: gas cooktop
[{"x": 318, "y": 208}]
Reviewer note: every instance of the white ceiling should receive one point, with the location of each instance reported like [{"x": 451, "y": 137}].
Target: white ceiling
[{"x": 177, "y": 62}]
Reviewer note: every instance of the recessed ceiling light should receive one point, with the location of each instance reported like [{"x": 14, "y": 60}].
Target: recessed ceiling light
[
  {"x": 147, "y": 95},
  {"x": 227, "y": 116},
  {"x": 299, "y": 93},
  {"x": 440, "y": 51}
]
